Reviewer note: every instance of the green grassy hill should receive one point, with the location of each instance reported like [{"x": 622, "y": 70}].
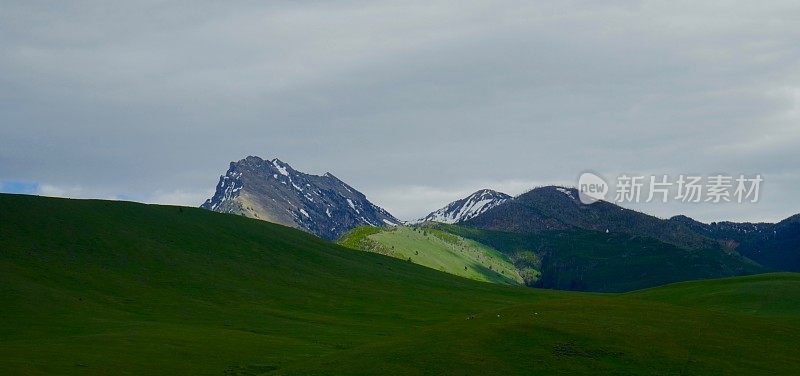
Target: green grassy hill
[
  {"x": 98, "y": 287},
  {"x": 437, "y": 250},
  {"x": 586, "y": 260},
  {"x": 774, "y": 294},
  {"x": 587, "y": 335}
]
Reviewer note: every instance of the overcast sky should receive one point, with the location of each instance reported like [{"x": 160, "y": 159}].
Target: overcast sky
[{"x": 415, "y": 103}]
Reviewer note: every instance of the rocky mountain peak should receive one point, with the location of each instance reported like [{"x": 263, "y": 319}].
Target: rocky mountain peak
[
  {"x": 272, "y": 190},
  {"x": 467, "y": 208}
]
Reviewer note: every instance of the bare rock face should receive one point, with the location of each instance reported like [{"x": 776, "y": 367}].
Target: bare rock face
[{"x": 273, "y": 191}]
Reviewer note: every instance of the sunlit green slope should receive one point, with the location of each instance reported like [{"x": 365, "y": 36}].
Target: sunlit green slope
[{"x": 437, "y": 250}]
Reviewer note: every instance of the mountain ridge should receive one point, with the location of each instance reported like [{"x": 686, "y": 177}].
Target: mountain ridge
[
  {"x": 272, "y": 190},
  {"x": 775, "y": 245},
  {"x": 558, "y": 208}
]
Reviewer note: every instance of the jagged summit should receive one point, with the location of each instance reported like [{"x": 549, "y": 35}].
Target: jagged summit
[
  {"x": 273, "y": 191},
  {"x": 467, "y": 208}
]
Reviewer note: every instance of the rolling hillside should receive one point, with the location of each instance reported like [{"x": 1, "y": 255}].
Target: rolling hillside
[
  {"x": 586, "y": 260},
  {"x": 437, "y": 250},
  {"x": 663, "y": 331},
  {"x": 98, "y": 287}
]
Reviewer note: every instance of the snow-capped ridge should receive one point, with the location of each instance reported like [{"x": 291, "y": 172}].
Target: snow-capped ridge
[{"x": 466, "y": 208}]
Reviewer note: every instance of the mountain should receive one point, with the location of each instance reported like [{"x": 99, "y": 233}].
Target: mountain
[
  {"x": 466, "y": 208},
  {"x": 600, "y": 246},
  {"x": 775, "y": 245},
  {"x": 273, "y": 191},
  {"x": 92, "y": 287},
  {"x": 558, "y": 208}
]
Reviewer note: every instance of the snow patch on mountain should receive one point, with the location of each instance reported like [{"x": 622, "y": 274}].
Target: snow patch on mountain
[
  {"x": 566, "y": 192},
  {"x": 467, "y": 208}
]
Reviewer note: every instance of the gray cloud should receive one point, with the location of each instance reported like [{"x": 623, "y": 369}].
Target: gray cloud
[{"x": 414, "y": 103}]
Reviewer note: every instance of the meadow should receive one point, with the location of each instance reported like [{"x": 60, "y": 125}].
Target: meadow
[{"x": 92, "y": 287}]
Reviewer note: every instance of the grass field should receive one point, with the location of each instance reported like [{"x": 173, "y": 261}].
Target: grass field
[
  {"x": 437, "y": 250},
  {"x": 98, "y": 287}
]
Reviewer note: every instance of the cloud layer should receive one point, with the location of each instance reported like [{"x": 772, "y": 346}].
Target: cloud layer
[{"x": 414, "y": 103}]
